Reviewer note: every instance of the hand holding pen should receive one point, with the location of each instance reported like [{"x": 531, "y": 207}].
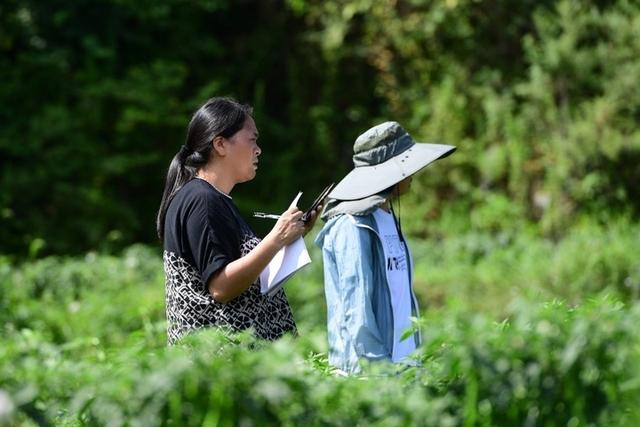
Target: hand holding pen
[
  {"x": 308, "y": 219},
  {"x": 310, "y": 214},
  {"x": 288, "y": 228}
]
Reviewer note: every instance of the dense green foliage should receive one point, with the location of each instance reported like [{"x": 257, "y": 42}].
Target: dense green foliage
[
  {"x": 84, "y": 343},
  {"x": 525, "y": 240},
  {"x": 539, "y": 96},
  {"x": 95, "y": 99}
]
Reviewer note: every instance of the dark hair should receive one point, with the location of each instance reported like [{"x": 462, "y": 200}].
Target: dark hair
[{"x": 217, "y": 117}]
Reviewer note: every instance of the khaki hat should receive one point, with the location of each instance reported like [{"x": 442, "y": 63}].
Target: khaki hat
[{"x": 383, "y": 156}]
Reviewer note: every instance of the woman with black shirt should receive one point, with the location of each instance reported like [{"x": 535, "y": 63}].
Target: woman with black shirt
[{"x": 212, "y": 258}]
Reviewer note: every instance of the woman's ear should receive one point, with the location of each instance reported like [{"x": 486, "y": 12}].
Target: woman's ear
[{"x": 219, "y": 146}]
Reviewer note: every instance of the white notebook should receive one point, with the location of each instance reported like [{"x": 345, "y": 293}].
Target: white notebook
[{"x": 287, "y": 261}]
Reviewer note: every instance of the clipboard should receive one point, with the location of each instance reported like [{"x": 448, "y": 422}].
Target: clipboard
[{"x": 306, "y": 216}]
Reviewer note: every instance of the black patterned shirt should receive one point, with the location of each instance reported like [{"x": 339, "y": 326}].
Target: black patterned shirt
[{"x": 203, "y": 233}]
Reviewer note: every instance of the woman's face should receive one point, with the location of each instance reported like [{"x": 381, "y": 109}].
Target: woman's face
[
  {"x": 403, "y": 186},
  {"x": 243, "y": 152}
]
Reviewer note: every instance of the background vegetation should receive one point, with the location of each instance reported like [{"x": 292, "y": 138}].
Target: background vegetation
[{"x": 525, "y": 240}]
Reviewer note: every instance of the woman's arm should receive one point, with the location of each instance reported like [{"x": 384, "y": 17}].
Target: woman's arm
[{"x": 239, "y": 275}]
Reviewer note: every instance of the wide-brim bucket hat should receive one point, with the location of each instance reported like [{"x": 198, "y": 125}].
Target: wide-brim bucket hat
[{"x": 383, "y": 156}]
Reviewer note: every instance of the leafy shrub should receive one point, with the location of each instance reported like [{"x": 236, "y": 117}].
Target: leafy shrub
[
  {"x": 546, "y": 365},
  {"x": 487, "y": 270},
  {"x": 573, "y": 363},
  {"x": 99, "y": 296}
]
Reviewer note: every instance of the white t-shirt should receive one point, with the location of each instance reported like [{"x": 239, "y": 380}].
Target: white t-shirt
[{"x": 397, "y": 267}]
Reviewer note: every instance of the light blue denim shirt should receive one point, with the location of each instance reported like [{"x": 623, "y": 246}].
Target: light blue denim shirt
[{"x": 359, "y": 312}]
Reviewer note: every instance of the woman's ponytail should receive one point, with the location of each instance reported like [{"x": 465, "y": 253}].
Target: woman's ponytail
[{"x": 177, "y": 176}]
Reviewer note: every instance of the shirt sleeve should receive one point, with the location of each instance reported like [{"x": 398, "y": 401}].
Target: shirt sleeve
[
  {"x": 355, "y": 262},
  {"x": 211, "y": 238}
]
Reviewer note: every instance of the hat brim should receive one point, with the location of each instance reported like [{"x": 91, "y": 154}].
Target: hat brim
[{"x": 365, "y": 181}]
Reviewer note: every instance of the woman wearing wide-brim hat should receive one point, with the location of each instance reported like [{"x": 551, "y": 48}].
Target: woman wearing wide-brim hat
[{"x": 367, "y": 263}]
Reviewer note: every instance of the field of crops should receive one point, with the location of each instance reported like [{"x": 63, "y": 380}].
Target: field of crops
[
  {"x": 519, "y": 330},
  {"x": 525, "y": 240}
]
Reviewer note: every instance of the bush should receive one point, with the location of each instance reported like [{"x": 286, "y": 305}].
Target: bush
[
  {"x": 494, "y": 352},
  {"x": 547, "y": 364},
  {"x": 100, "y": 296},
  {"x": 487, "y": 270}
]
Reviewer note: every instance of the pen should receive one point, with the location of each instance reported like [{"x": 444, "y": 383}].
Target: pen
[{"x": 265, "y": 215}]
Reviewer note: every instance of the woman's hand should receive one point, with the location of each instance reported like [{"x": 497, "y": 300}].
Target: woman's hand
[
  {"x": 312, "y": 219},
  {"x": 237, "y": 276},
  {"x": 288, "y": 228}
]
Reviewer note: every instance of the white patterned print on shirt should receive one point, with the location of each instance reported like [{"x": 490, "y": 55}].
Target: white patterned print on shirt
[{"x": 189, "y": 304}]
